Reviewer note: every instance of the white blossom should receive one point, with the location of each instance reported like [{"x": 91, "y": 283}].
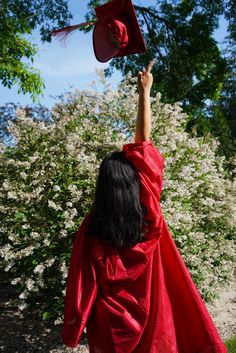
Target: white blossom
[
  {"x": 39, "y": 268},
  {"x": 22, "y": 306},
  {"x": 6, "y": 185},
  {"x": 25, "y": 226},
  {"x": 16, "y": 280},
  {"x": 53, "y": 205},
  {"x": 64, "y": 269},
  {"x": 29, "y": 283},
  {"x": 56, "y": 188},
  {"x": 46, "y": 242},
  {"x": 35, "y": 235},
  {"x": 11, "y": 195},
  {"x": 23, "y": 175},
  {"x": 72, "y": 188},
  {"x": 23, "y": 295},
  {"x": 63, "y": 233}
]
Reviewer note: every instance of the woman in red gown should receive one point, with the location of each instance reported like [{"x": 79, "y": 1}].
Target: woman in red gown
[{"x": 127, "y": 282}]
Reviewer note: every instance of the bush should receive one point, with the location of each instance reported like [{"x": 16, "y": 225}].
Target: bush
[{"x": 48, "y": 181}]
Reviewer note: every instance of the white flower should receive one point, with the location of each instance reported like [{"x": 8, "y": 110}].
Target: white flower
[
  {"x": 25, "y": 226},
  {"x": 29, "y": 283},
  {"x": 13, "y": 237},
  {"x": 26, "y": 251},
  {"x": 70, "y": 148},
  {"x": 38, "y": 190},
  {"x": 68, "y": 224},
  {"x": 23, "y": 295},
  {"x": 72, "y": 188},
  {"x": 5, "y": 249},
  {"x": 56, "y": 188},
  {"x": 11, "y": 195},
  {"x": 58, "y": 321},
  {"x": 42, "y": 125},
  {"x": 23, "y": 175},
  {"x": 9, "y": 266},
  {"x": 26, "y": 164},
  {"x": 6, "y": 185},
  {"x": 63, "y": 233},
  {"x": 39, "y": 269},
  {"x": 33, "y": 158},
  {"x": 49, "y": 262},
  {"x": 52, "y": 204},
  {"x": 22, "y": 306},
  {"x": 16, "y": 280},
  {"x": 46, "y": 242},
  {"x": 35, "y": 235},
  {"x": 64, "y": 269},
  {"x": 73, "y": 212}
]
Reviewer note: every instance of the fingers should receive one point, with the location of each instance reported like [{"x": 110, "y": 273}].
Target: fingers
[
  {"x": 150, "y": 65},
  {"x": 148, "y": 69},
  {"x": 140, "y": 75}
]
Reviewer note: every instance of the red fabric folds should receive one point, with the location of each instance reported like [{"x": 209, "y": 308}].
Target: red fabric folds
[{"x": 139, "y": 299}]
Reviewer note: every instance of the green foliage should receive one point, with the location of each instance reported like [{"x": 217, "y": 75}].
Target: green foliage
[
  {"x": 20, "y": 18},
  {"x": 191, "y": 68},
  {"x": 223, "y": 112},
  {"x": 48, "y": 182},
  {"x": 231, "y": 345}
]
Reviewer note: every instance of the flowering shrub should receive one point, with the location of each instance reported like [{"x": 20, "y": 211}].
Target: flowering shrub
[{"x": 48, "y": 183}]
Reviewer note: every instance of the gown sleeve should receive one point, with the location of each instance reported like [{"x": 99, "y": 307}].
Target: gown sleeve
[
  {"x": 81, "y": 289},
  {"x": 149, "y": 163}
]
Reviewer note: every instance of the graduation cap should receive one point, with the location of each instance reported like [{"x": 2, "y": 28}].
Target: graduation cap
[{"x": 116, "y": 32}]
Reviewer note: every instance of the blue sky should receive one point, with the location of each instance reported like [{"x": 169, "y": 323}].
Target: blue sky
[{"x": 66, "y": 68}]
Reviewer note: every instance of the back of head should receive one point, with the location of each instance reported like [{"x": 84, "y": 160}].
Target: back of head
[{"x": 117, "y": 214}]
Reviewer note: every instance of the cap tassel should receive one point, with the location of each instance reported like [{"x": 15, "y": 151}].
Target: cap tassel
[{"x": 63, "y": 33}]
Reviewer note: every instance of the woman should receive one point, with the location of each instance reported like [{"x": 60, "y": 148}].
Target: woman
[{"x": 127, "y": 282}]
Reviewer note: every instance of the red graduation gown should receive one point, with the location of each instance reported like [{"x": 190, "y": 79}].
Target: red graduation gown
[{"x": 139, "y": 299}]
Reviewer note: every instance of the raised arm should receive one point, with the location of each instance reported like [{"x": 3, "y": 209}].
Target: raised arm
[{"x": 143, "y": 122}]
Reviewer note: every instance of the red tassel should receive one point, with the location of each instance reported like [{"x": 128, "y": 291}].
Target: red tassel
[{"x": 63, "y": 33}]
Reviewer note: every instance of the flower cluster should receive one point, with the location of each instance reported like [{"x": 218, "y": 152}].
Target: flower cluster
[{"x": 48, "y": 181}]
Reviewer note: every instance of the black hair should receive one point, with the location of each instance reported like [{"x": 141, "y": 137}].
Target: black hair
[{"x": 117, "y": 215}]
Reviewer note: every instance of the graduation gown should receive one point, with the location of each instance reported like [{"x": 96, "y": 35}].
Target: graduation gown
[{"x": 138, "y": 299}]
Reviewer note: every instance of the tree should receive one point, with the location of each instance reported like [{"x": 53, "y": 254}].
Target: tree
[
  {"x": 20, "y": 18},
  {"x": 8, "y": 114},
  {"x": 190, "y": 68},
  {"x": 225, "y": 107},
  {"x": 223, "y": 111}
]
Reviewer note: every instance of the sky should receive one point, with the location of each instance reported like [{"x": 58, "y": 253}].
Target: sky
[{"x": 65, "y": 68}]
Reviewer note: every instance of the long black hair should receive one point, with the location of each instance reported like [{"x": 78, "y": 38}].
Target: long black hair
[{"x": 117, "y": 215}]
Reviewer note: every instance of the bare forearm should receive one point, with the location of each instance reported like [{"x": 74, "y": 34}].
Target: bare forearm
[{"x": 143, "y": 121}]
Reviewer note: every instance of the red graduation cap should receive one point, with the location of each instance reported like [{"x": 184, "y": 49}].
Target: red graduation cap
[{"x": 116, "y": 32}]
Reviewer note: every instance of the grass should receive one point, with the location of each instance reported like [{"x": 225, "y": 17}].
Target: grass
[{"x": 231, "y": 344}]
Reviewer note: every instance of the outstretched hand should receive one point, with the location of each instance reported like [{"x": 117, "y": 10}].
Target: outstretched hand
[{"x": 145, "y": 78}]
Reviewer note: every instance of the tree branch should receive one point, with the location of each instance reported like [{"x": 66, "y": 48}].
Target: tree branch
[
  {"x": 151, "y": 13},
  {"x": 156, "y": 46}
]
